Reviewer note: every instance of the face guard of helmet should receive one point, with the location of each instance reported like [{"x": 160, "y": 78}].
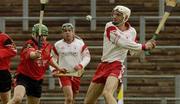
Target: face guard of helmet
[
  {"x": 67, "y": 27},
  {"x": 120, "y": 15},
  {"x": 35, "y": 30}
]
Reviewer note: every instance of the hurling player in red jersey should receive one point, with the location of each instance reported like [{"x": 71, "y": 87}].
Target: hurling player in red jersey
[
  {"x": 33, "y": 65},
  {"x": 7, "y": 51}
]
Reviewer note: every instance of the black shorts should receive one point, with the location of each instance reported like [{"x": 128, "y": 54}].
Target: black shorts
[
  {"x": 33, "y": 87},
  {"x": 5, "y": 81}
]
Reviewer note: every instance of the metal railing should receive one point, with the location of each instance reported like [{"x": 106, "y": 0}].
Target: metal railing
[{"x": 142, "y": 21}]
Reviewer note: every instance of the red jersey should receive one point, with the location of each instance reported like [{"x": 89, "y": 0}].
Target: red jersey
[
  {"x": 7, "y": 51},
  {"x": 36, "y": 68}
]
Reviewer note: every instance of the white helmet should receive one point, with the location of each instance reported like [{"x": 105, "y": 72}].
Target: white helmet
[
  {"x": 124, "y": 10},
  {"x": 66, "y": 26}
]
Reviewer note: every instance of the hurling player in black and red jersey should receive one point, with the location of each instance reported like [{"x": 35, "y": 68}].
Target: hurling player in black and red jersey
[
  {"x": 33, "y": 65},
  {"x": 7, "y": 51}
]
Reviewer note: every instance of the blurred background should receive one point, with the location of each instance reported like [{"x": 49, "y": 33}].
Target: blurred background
[{"x": 153, "y": 79}]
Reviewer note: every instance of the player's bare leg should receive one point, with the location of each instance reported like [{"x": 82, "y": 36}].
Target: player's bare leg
[
  {"x": 74, "y": 96},
  {"x": 68, "y": 93},
  {"x": 33, "y": 100},
  {"x": 19, "y": 92},
  {"x": 109, "y": 89},
  {"x": 5, "y": 97},
  {"x": 94, "y": 91}
]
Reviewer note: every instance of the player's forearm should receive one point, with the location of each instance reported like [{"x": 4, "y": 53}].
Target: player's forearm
[
  {"x": 54, "y": 56},
  {"x": 34, "y": 55},
  {"x": 53, "y": 65},
  {"x": 131, "y": 45},
  {"x": 85, "y": 61},
  {"x": 86, "y": 58},
  {"x": 135, "y": 53},
  {"x": 125, "y": 43}
]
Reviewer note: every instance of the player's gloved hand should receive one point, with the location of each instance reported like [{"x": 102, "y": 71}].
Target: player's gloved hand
[
  {"x": 35, "y": 54},
  {"x": 56, "y": 72},
  {"x": 38, "y": 53},
  {"x": 62, "y": 70},
  {"x": 150, "y": 44},
  {"x": 78, "y": 67}
]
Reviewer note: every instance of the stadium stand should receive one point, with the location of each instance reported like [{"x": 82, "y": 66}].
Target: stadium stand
[{"x": 161, "y": 62}]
